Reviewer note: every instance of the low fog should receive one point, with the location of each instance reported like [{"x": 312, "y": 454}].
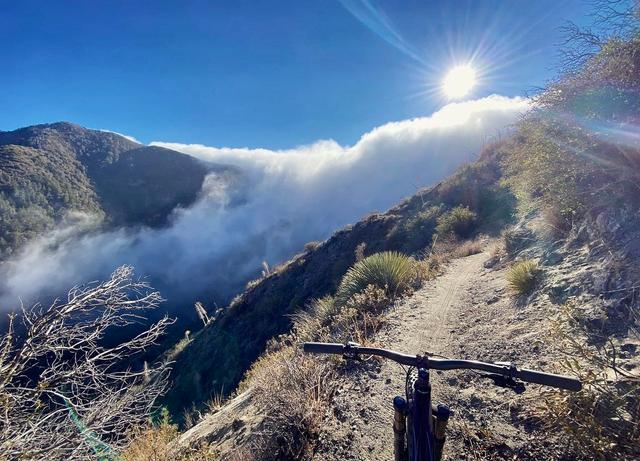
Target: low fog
[{"x": 211, "y": 249}]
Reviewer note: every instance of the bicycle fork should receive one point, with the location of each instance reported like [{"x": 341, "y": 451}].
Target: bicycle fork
[
  {"x": 400, "y": 429},
  {"x": 441, "y": 415},
  {"x": 429, "y": 424}
]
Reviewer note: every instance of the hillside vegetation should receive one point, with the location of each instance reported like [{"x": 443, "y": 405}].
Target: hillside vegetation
[
  {"x": 559, "y": 199},
  {"x": 48, "y": 171}
]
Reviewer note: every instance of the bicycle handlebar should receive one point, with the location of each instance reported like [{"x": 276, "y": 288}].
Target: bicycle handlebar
[{"x": 503, "y": 369}]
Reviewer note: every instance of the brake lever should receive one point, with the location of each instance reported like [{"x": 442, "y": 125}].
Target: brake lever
[{"x": 507, "y": 382}]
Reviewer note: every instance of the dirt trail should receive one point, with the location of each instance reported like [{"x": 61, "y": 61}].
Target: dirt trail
[
  {"x": 464, "y": 313},
  {"x": 361, "y": 424}
]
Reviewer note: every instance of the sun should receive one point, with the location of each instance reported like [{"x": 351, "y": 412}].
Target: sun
[{"x": 459, "y": 81}]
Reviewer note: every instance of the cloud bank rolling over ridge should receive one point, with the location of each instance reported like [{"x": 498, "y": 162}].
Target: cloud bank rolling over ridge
[{"x": 292, "y": 197}]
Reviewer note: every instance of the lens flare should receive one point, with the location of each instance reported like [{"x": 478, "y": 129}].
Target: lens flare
[{"x": 459, "y": 81}]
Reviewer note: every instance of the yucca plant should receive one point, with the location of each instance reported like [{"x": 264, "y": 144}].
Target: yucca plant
[
  {"x": 389, "y": 270},
  {"x": 522, "y": 276}
]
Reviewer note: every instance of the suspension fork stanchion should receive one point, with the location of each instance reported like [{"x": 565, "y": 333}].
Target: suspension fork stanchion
[
  {"x": 400, "y": 429},
  {"x": 440, "y": 420},
  {"x": 423, "y": 425}
]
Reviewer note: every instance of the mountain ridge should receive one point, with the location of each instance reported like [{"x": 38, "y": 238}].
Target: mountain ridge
[{"x": 49, "y": 170}]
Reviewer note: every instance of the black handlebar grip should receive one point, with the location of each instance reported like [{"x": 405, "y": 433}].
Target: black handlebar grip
[
  {"x": 548, "y": 379},
  {"x": 323, "y": 348}
]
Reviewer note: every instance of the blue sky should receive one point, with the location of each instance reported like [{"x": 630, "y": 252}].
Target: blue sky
[{"x": 270, "y": 74}]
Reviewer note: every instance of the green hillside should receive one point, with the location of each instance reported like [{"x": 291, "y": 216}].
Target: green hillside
[
  {"x": 46, "y": 171},
  {"x": 572, "y": 162}
]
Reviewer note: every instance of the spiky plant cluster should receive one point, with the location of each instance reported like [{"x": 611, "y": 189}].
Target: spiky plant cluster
[
  {"x": 389, "y": 270},
  {"x": 522, "y": 276}
]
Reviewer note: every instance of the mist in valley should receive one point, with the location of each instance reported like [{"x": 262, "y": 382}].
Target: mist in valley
[{"x": 287, "y": 198}]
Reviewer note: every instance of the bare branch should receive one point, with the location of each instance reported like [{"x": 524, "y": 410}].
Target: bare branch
[{"x": 63, "y": 393}]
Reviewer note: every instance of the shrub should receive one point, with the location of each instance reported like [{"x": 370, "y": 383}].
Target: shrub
[
  {"x": 424, "y": 222},
  {"x": 313, "y": 323},
  {"x": 522, "y": 276},
  {"x": 372, "y": 299},
  {"x": 392, "y": 271},
  {"x": 542, "y": 169},
  {"x": 557, "y": 225},
  {"x": 559, "y": 161},
  {"x": 603, "y": 419},
  {"x": 459, "y": 221},
  {"x": 468, "y": 248},
  {"x": 360, "y": 318},
  {"x": 293, "y": 390},
  {"x": 64, "y": 391},
  {"x": 357, "y": 319}
]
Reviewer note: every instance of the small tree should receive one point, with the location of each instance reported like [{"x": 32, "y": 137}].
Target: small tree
[
  {"x": 64, "y": 394},
  {"x": 202, "y": 313},
  {"x": 266, "y": 269}
]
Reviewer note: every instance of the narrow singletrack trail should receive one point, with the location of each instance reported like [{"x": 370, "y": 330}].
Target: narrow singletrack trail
[
  {"x": 466, "y": 313},
  {"x": 360, "y": 424}
]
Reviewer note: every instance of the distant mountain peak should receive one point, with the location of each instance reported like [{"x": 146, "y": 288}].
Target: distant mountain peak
[{"x": 53, "y": 168}]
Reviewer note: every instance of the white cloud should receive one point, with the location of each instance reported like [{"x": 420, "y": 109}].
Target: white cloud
[
  {"x": 126, "y": 136},
  {"x": 293, "y": 196}
]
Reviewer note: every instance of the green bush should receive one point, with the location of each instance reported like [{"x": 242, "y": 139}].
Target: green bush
[
  {"x": 313, "y": 322},
  {"x": 389, "y": 270},
  {"x": 459, "y": 221},
  {"x": 522, "y": 276},
  {"x": 424, "y": 222}
]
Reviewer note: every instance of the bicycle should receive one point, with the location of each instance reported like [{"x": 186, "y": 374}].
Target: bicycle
[{"x": 420, "y": 427}]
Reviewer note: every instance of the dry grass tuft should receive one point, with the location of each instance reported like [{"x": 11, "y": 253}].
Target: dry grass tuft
[
  {"x": 468, "y": 248},
  {"x": 293, "y": 390},
  {"x": 603, "y": 419},
  {"x": 313, "y": 324},
  {"x": 498, "y": 250},
  {"x": 556, "y": 224},
  {"x": 154, "y": 443},
  {"x": 522, "y": 276}
]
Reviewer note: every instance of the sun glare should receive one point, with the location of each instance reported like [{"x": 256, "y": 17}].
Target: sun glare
[{"x": 459, "y": 81}]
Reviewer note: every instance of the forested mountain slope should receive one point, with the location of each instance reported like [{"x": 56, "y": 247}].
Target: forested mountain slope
[{"x": 47, "y": 171}]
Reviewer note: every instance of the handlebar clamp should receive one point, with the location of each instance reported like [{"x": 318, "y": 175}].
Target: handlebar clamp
[{"x": 351, "y": 351}]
